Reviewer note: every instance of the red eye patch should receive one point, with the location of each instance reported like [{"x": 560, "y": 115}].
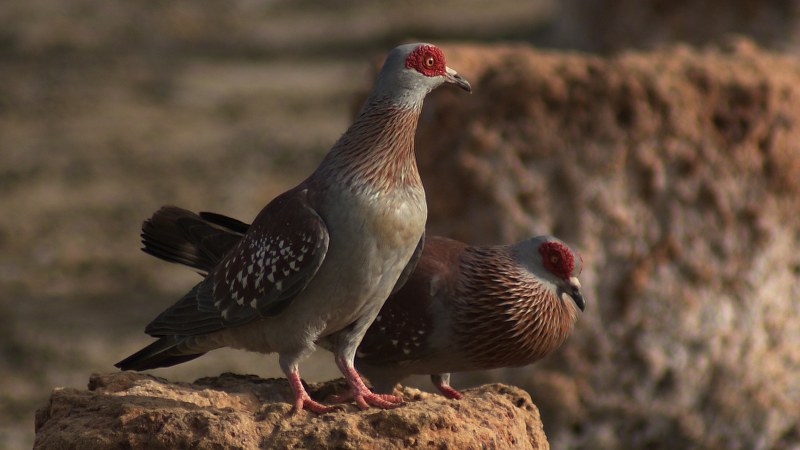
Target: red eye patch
[
  {"x": 557, "y": 259},
  {"x": 427, "y": 60}
]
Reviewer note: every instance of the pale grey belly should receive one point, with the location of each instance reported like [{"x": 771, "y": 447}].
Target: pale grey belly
[{"x": 363, "y": 262}]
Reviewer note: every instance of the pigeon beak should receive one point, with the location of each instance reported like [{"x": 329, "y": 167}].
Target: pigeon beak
[
  {"x": 577, "y": 297},
  {"x": 453, "y": 77},
  {"x": 575, "y": 293}
]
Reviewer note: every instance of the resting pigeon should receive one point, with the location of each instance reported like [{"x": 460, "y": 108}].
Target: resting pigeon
[
  {"x": 463, "y": 307},
  {"x": 319, "y": 260},
  {"x": 473, "y": 308}
]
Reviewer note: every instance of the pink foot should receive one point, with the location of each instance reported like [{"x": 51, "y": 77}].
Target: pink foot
[
  {"x": 307, "y": 403},
  {"x": 303, "y": 400},
  {"x": 348, "y": 396},
  {"x": 449, "y": 392},
  {"x": 365, "y": 398},
  {"x": 385, "y": 401}
]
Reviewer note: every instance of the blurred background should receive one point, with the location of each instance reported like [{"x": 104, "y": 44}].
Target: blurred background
[{"x": 110, "y": 109}]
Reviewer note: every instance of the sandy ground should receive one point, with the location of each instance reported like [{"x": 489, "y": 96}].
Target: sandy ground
[{"x": 109, "y": 110}]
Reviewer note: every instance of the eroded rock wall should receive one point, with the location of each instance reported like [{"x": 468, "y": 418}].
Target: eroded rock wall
[{"x": 677, "y": 175}]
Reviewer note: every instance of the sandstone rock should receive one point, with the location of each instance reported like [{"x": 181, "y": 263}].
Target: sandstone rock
[
  {"x": 130, "y": 410},
  {"x": 609, "y": 25},
  {"x": 677, "y": 175}
]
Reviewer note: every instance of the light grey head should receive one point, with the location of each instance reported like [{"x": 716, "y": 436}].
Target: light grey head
[
  {"x": 411, "y": 71},
  {"x": 552, "y": 261}
]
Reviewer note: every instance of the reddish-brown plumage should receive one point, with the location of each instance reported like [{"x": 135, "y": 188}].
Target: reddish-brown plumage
[
  {"x": 503, "y": 314},
  {"x": 469, "y": 308}
]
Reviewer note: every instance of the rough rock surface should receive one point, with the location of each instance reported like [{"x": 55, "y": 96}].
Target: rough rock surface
[
  {"x": 130, "y": 410},
  {"x": 677, "y": 175},
  {"x": 609, "y": 25}
]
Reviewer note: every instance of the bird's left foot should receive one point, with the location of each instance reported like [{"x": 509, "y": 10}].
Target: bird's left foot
[
  {"x": 301, "y": 398},
  {"x": 442, "y": 383},
  {"x": 363, "y": 397},
  {"x": 366, "y": 399},
  {"x": 348, "y": 396},
  {"x": 449, "y": 392},
  {"x": 307, "y": 403}
]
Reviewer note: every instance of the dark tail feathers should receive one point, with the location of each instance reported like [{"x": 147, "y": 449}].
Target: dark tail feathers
[
  {"x": 199, "y": 241},
  {"x": 161, "y": 353}
]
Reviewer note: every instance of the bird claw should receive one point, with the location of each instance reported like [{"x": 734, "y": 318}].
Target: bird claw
[
  {"x": 305, "y": 402},
  {"x": 348, "y": 396},
  {"x": 301, "y": 398},
  {"x": 359, "y": 392},
  {"x": 385, "y": 401}
]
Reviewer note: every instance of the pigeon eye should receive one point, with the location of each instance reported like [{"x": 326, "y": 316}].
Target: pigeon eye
[
  {"x": 429, "y": 62},
  {"x": 554, "y": 259}
]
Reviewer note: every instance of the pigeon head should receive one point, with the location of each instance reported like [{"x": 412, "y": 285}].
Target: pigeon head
[
  {"x": 411, "y": 71},
  {"x": 555, "y": 263}
]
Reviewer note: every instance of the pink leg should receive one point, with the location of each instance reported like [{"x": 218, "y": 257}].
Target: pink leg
[
  {"x": 449, "y": 392},
  {"x": 442, "y": 383},
  {"x": 348, "y": 396},
  {"x": 301, "y": 398},
  {"x": 363, "y": 397}
]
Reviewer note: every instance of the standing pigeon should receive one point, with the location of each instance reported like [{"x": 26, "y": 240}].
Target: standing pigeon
[
  {"x": 319, "y": 260},
  {"x": 463, "y": 307}
]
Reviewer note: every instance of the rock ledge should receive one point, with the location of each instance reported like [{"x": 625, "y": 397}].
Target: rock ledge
[{"x": 124, "y": 410}]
